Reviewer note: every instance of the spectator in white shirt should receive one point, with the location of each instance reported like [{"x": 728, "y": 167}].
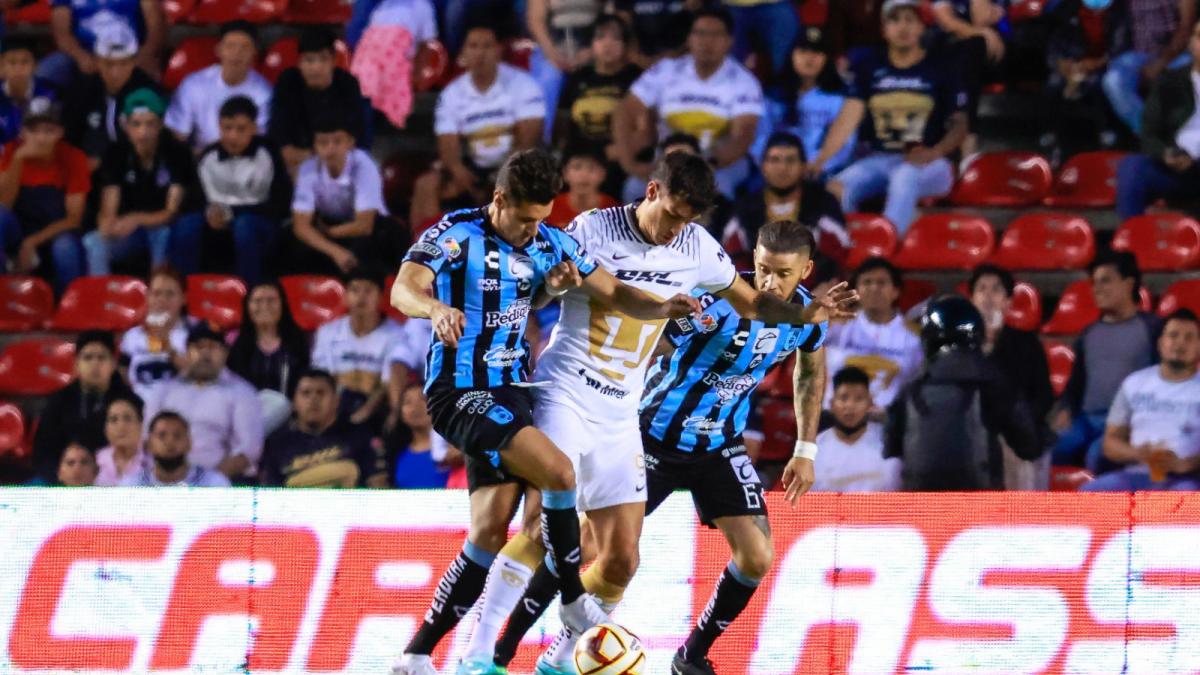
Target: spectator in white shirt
[
  {"x": 339, "y": 219},
  {"x": 123, "y": 456},
  {"x": 1154, "y": 422},
  {"x": 193, "y": 114},
  {"x": 852, "y": 459},
  {"x": 168, "y": 439},
  {"x": 222, "y": 409},
  {"x": 153, "y": 352}
]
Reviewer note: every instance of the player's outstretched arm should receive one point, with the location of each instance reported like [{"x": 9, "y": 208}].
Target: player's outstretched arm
[
  {"x": 748, "y": 302},
  {"x": 410, "y": 294},
  {"x": 635, "y": 302},
  {"x": 808, "y": 386}
]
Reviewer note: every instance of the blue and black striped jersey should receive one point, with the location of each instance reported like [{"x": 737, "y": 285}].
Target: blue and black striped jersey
[
  {"x": 697, "y": 398},
  {"x": 493, "y": 283}
]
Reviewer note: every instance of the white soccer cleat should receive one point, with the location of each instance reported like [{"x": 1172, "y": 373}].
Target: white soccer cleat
[
  {"x": 560, "y": 656},
  {"x": 414, "y": 664},
  {"x": 582, "y": 614}
]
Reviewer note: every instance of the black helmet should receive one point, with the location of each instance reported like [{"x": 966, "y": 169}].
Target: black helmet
[{"x": 950, "y": 321}]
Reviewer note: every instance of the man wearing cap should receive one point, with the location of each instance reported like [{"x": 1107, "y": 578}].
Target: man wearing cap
[
  {"x": 142, "y": 181},
  {"x": 221, "y": 408},
  {"x": 17, "y": 64},
  {"x": 912, "y": 109},
  {"x": 79, "y": 25},
  {"x": 44, "y": 183},
  {"x": 193, "y": 114},
  {"x": 92, "y": 111}
]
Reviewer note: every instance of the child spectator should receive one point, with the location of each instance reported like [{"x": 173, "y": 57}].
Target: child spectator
[
  {"x": 245, "y": 190},
  {"x": 95, "y": 103},
  {"x": 169, "y": 442},
  {"x": 384, "y": 35},
  {"x": 123, "y": 456},
  {"x": 20, "y": 86},
  {"x": 44, "y": 183},
  {"x": 313, "y": 87},
  {"x": 194, "y": 112},
  {"x": 155, "y": 351},
  {"x": 270, "y": 351},
  {"x": 583, "y": 173},
  {"x": 416, "y": 464},
  {"x": 852, "y": 459},
  {"x": 317, "y": 449},
  {"x": 339, "y": 219},
  {"x": 77, "y": 468},
  {"x": 143, "y": 179},
  {"x": 78, "y": 26}
]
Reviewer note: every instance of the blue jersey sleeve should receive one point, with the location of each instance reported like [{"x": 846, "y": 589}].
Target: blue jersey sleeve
[
  {"x": 570, "y": 249},
  {"x": 437, "y": 246}
]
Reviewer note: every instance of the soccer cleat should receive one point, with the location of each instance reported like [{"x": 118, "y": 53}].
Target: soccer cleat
[
  {"x": 681, "y": 666},
  {"x": 414, "y": 664},
  {"x": 478, "y": 666},
  {"x": 544, "y": 667},
  {"x": 582, "y": 614}
]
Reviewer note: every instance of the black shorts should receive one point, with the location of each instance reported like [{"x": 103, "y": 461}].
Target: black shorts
[
  {"x": 481, "y": 422},
  {"x": 723, "y": 482}
]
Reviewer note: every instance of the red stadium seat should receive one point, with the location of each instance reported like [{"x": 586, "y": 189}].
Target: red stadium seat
[
  {"x": 318, "y": 11},
  {"x": 946, "y": 241},
  {"x": 313, "y": 299},
  {"x": 178, "y": 11},
  {"x": 37, "y": 13},
  {"x": 26, "y": 303},
  {"x": 778, "y": 381},
  {"x": 400, "y": 174},
  {"x": 194, "y": 53},
  {"x": 221, "y": 11},
  {"x": 1069, "y": 478},
  {"x": 813, "y": 12},
  {"x": 1046, "y": 241},
  {"x": 12, "y": 429},
  {"x": 1061, "y": 358},
  {"x": 1183, "y": 294},
  {"x": 385, "y": 301},
  {"x": 778, "y": 428},
  {"x": 429, "y": 65},
  {"x": 285, "y": 53},
  {"x": 872, "y": 235},
  {"x": 36, "y": 367},
  {"x": 1003, "y": 179},
  {"x": 1162, "y": 242},
  {"x": 216, "y": 298},
  {"x": 1077, "y": 308},
  {"x": 1022, "y": 10},
  {"x": 519, "y": 52},
  {"x": 1087, "y": 181},
  {"x": 1025, "y": 312},
  {"x": 113, "y": 303},
  {"x": 914, "y": 292}
]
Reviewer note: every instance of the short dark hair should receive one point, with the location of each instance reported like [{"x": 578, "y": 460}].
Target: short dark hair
[
  {"x": 331, "y": 121},
  {"x": 365, "y": 272},
  {"x": 877, "y": 263},
  {"x": 990, "y": 270},
  {"x": 583, "y": 152},
  {"x": 680, "y": 138},
  {"x": 687, "y": 177},
  {"x": 784, "y": 139},
  {"x": 16, "y": 43},
  {"x": 168, "y": 416},
  {"x": 316, "y": 39},
  {"x": 132, "y": 400},
  {"x": 530, "y": 177},
  {"x": 1127, "y": 267},
  {"x": 319, "y": 374},
  {"x": 851, "y": 375},
  {"x": 100, "y": 337},
  {"x": 786, "y": 236},
  {"x": 493, "y": 27},
  {"x": 169, "y": 271},
  {"x": 1182, "y": 314},
  {"x": 236, "y": 106},
  {"x": 719, "y": 13},
  {"x": 605, "y": 20},
  {"x": 240, "y": 26}
]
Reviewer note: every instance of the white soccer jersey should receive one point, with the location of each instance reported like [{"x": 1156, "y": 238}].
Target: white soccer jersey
[
  {"x": 486, "y": 119},
  {"x": 597, "y": 357},
  {"x": 889, "y": 353},
  {"x": 358, "y": 362},
  {"x": 149, "y": 367}
]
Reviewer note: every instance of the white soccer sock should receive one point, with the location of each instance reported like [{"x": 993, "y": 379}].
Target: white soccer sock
[{"x": 506, "y": 583}]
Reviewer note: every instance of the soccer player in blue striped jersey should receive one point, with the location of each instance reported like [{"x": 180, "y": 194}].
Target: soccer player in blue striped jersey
[{"x": 484, "y": 267}]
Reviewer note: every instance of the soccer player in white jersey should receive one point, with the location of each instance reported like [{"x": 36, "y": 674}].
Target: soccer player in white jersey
[{"x": 591, "y": 374}]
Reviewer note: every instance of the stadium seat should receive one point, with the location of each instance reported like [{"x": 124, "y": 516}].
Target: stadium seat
[
  {"x": 37, "y": 13},
  {"x": 285, "y": 53},
  {"x": 871, "y": 235},
  {"x": 813, "y": 12},
  {"x": 221, "y": 11},
  {"x": 1003, "y": 179},
  {"x": 1022, "y": 10},
  {"x": 946, "y": 241},
  {"x": 385, "y": 301},
  {"x": 778, "y": 428},
  {"x": 318, "y": 11},
  {"x": 1183, "y": 294},
  {"x": 113, "y": 303},
  {"x": 1087, "y": 181},
  {"x": 1162, "y": 242},
  {"x": 1025, "y": 312},
  {"x": 216, "y": 298},
  {"x": 778, "y": 381},
  {"x": 36, "y": 367},
  {"x": 519, "y": 52},
  {"x": 1046, "y": 241},
  {"x": 429, "y": 65},
  {"x": 400, "y": 174},
  {"x": 314, "y": 299},
  {"x": 194, "y": 53},
  {"x": 178, "y": 11},
  {"x": 1069, "y": 478},
  {"x": 914, "y": 292},
  {"x": 26, "y": 303},
  {"x": 1061, "y": 358},
  {"x": 1077, "y": 308},
  {"x": 12, "y": 429}
]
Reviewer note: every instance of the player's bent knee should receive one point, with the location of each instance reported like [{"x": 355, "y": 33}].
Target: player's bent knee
[
  {"x": 755, "y": 560},
  {"x": 488, "y": 536},
  {"x": 619, "y": 567}
]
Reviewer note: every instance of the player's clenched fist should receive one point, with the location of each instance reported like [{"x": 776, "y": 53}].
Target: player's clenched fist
[
  {"x": 680, "y": 306},
  {"x": 448, "y": 324},
  {"x": 563, "y": 277}
]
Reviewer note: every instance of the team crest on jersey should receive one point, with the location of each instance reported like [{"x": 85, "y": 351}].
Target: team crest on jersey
[
  {"x": 765, "y": 341},
  {"x": 702, "y": 425},
  {"x": 451, "y": 247},
  {"x": 708, "y": 323},
  {"x": 521, "y": 266}
]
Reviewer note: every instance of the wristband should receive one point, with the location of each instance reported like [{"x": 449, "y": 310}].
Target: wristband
[
  {"x": 805, "y": 450},
  {"x": 558, "y": 294}
]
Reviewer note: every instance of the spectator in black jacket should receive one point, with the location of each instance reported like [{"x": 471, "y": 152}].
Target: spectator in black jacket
[
  {"x": 270, "y": 351},
  {"x": 1122, "y": 341},
  {"x": 77, "y": 413},
  {"x": 315, "y": 86},
  {"x": 245, "y": 190}
]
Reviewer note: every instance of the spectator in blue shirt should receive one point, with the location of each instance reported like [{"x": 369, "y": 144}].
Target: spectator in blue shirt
[
  {"x": 78, "y": 24},
  {"x": 20, "y": 86}
]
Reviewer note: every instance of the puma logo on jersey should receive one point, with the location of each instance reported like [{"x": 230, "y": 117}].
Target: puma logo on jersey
[{"x": 663, "y": 278}]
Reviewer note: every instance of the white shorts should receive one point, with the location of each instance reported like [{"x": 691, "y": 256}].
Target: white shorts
[{"x": 609, "y": 466}]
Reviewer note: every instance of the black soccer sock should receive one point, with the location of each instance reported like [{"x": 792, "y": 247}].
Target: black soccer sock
[
  {"x": 731, "y": 596},
  {"x": 560, "y": 529},
  {"x": 538, "y": 596},
  {"x": 456, "y": 592}
]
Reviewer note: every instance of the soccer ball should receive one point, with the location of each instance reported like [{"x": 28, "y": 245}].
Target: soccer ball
[{"x": 609, "y": 649}]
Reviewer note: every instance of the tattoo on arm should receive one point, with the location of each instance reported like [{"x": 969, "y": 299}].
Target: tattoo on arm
[{"x": 809, "y": 388}]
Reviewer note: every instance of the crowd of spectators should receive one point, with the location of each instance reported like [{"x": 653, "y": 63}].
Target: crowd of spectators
[{"x": 104, "y": 169}]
